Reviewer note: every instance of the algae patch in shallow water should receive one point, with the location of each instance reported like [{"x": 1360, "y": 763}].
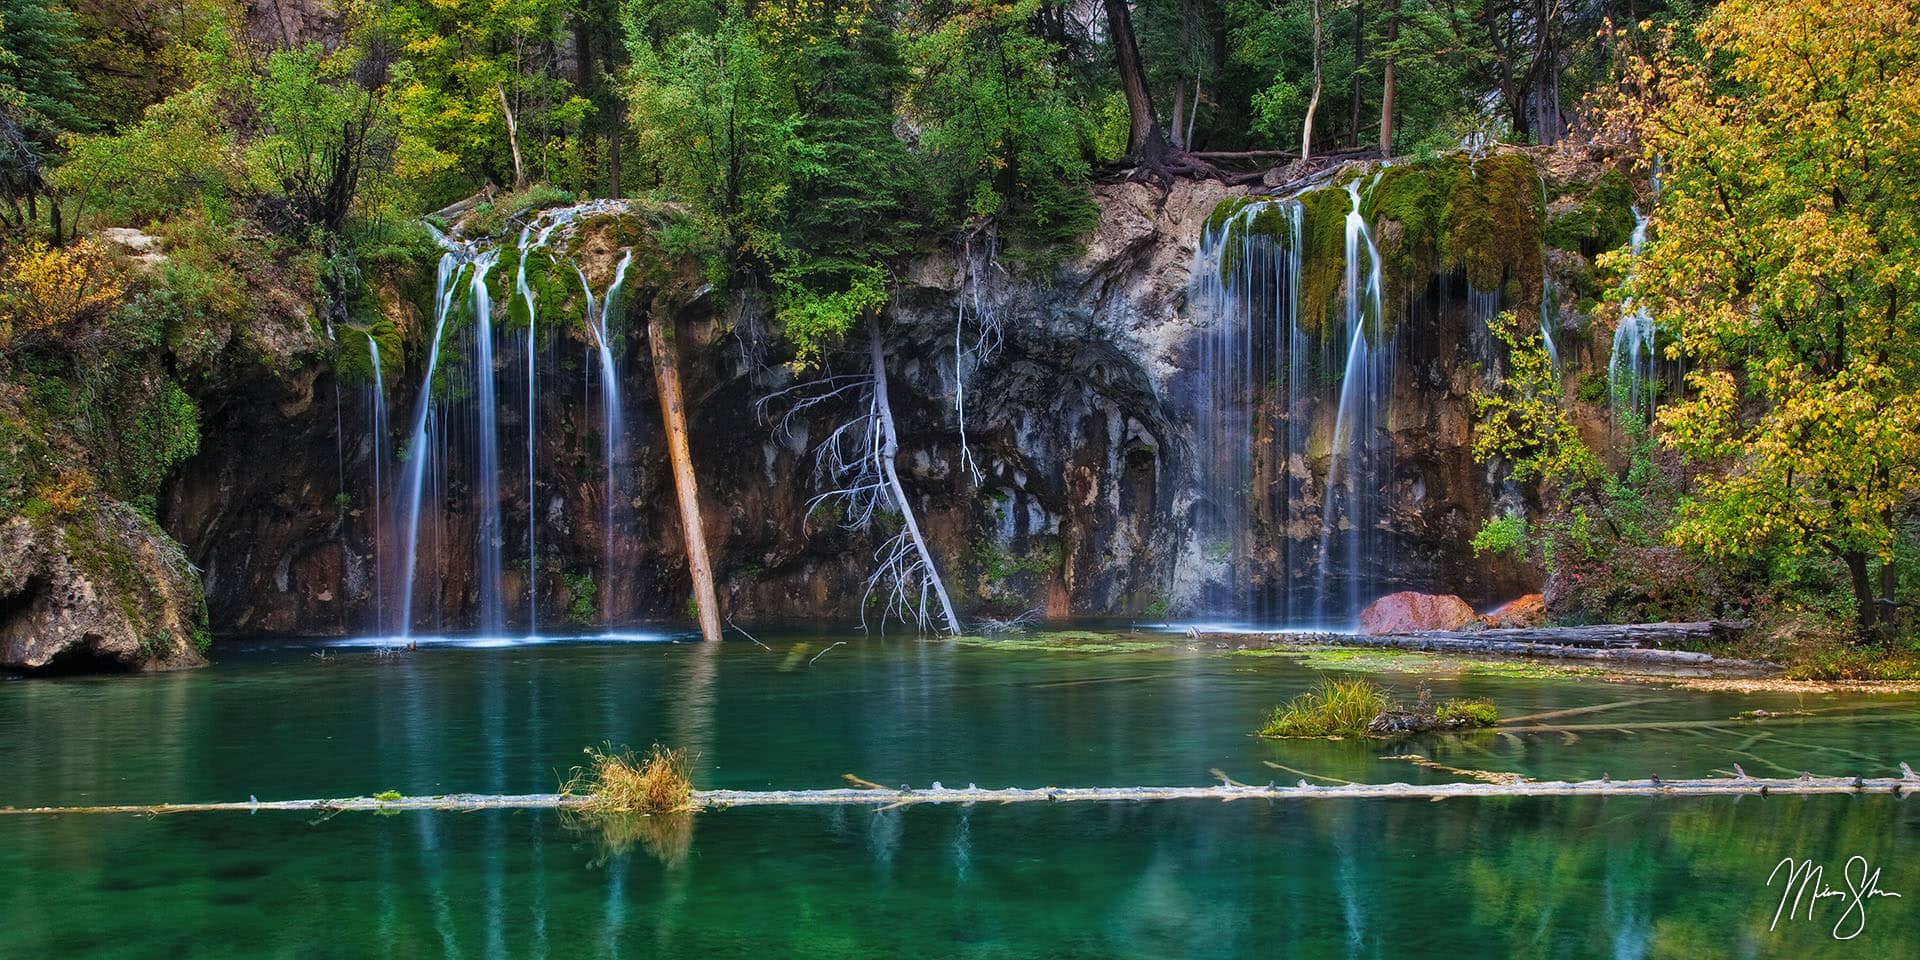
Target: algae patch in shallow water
[
  {"x": 1066, "y": 641},
  {"x": 1399, "y": 661}
]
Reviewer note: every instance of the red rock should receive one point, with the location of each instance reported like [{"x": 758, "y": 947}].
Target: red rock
[
  {"x": 1408, "y": 610},
  {"x": 1527, "y": 611}
]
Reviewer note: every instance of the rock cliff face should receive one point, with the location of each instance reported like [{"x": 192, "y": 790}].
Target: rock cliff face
[
  {"x": 1080, "y": 491},
  {"x": 101, "y": 588}
]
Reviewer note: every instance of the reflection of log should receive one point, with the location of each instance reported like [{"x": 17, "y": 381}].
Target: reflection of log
[
  {"x": 884, "y": 797},
  {"x": 673, "y": 413}
]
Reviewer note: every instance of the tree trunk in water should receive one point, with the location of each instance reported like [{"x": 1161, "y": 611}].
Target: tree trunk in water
[
  {"x": 513, "y": 139},
  {"x": 673, "y": 414},
  {"x": 1313, "y": 104},
  {"x": 889, "y": 449},
  {"x": 1386, "y": 80},
  {"x": 1145, "y": 139},
  {"x": 1862, "y": 592}
]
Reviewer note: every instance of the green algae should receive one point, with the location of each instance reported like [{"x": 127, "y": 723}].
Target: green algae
[
  {"x": 1066, "y": 641},
  {"x": 1368, "y": 660}
]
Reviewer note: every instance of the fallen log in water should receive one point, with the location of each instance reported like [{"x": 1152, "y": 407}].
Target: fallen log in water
[
  {"x": 1605, "y": 635},
  {"x": 904, "y": 796},
  {"x": 1602, "y": 644}
]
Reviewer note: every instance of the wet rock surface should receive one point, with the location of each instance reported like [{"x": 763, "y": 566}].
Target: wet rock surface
[
  {"x": 102, "y": 589},
  {"x": 1410, "y": 611},
  {"x": 1075, "y": 493}
]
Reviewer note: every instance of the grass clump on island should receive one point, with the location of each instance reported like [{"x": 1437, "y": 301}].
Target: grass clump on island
[
  {"x": 629, "y": 799},
  {"x": 1336, "y": 709},
  {"x": 1342, "y": 708},
  {"x": 621, "y": 781}
]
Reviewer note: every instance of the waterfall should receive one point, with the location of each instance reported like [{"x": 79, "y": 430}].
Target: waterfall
[
  {"x": 529, "y": 242},
  {"x": 487, "y": 478},
  {"x": 1630, "y": 368},
  {"x": 419, "y": 436},
  {"x": 1549, "y": 317},
  {"x": 454, "y": 446},
  {"x": 1549, "y": 308},
  {"x": 1262, "y": 370},
  {"x": 379, "y": 429},
  {"x": 1252, "y": 411},
  {"x": 612, "y": 419},
  {"x": 1364, "y": 391}
]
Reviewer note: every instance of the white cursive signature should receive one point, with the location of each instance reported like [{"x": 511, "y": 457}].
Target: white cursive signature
[{"x": 1806, "y": 887}]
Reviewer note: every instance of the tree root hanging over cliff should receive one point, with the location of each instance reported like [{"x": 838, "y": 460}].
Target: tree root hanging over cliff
[{"x": 855, "y": 467}]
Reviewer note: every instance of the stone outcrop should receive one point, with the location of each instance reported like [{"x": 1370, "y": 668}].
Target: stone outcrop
[
  {"x": 1408, "y": 611},
  {"x": 1527, "y": 611},
  {"x": 1075, "y": 493},
  {"x": 102, "y": 588}
]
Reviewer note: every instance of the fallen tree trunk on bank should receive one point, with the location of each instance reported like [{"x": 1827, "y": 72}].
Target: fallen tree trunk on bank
[
  {"x": 1605, "y": 635},
  {"x": 1603, "y": 644},
  {"x": 883, "y": 797}
]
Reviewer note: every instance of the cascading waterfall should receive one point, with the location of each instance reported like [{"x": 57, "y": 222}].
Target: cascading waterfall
[
  {"x": 1365, "y": 386},
  {"x": 419, "y": 448},
  {"x": 454, "y": 444},
  {"x": 531, "y": 241},
  {"x": 487, "y": 480},
  {"x": 378, "y": 407},
  {"x": 1252, "y": 410},
  {"x": 1260, "y": 377},
  {"x": 1630, "y": 368},
  {"x": 613, "y": 423},
  {"x": 1549, "y": 308}
]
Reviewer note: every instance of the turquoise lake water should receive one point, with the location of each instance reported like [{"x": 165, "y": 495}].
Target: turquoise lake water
[{"x": 1622, "y": 877}]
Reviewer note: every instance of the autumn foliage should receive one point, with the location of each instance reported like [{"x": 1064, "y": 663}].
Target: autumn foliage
[
  {"x": 1785, "y": 263},
  {"x": 55, "y": 295}
]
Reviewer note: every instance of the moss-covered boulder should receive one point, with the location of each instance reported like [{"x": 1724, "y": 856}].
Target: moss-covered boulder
[{"x": 98, "y": 587}]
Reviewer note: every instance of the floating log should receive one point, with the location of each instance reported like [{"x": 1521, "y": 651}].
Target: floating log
[{"x": 889, "y": 798}]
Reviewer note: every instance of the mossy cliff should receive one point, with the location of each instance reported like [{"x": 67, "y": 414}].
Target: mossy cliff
[{"x": 1081, "y": 425}]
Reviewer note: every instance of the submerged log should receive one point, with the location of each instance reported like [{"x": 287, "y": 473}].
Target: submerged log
[{"x": 936, "y": 794}]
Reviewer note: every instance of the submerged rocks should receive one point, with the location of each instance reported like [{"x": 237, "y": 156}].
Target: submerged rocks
[
  {"x": 1409, "y": 610},
  {"x": 101, "y": 588}
]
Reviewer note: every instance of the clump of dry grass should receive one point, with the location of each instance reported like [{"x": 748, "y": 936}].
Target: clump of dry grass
[{"x": 622, "y": 782}]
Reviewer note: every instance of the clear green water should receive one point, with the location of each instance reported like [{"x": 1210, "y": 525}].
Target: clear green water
[{"x": 1526, "y": 878}]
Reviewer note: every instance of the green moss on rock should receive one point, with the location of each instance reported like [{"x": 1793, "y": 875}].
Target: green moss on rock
[
  {"x": 1603, "y": 220},
  {"x": 1494, "y": 219}
]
